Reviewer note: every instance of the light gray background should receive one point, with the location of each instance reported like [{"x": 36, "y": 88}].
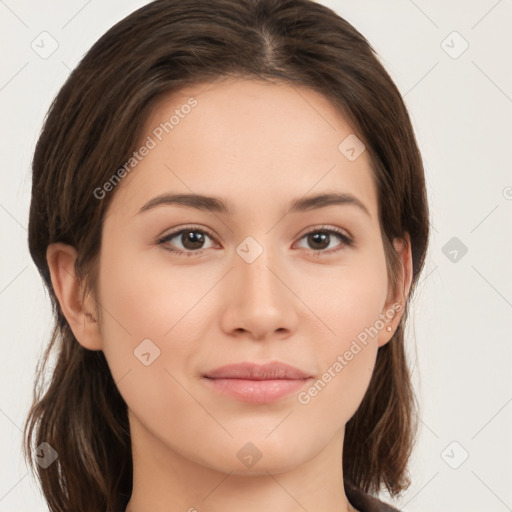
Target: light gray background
[{"x": 460, "y": 343}]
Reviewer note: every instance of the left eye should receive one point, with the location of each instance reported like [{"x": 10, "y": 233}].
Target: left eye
[
  {"x": 321, "y": 238},
  {"x": 193, "y": 239}
]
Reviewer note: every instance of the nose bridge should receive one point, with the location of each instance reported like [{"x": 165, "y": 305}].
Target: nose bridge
[
  {"x": 261, "y": 303},
  {"x": 253, "y": 264}
]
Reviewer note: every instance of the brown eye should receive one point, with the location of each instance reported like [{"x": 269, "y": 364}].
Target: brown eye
[
  {"x": 192, "y": 241},
  {"x": 320, "y": 239}
]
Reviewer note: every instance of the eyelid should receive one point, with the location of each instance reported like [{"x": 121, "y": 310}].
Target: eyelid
[
  {"x": 164, "y": 238},
  {"x": 326, "y": 227}
]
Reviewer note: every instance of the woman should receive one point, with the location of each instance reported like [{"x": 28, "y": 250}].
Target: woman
[{"x": 229, "y": 212}]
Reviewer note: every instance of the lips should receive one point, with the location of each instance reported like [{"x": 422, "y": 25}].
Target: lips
[
  {"x": 269, "y": 371},
  {"x": 257, "y": 383}
]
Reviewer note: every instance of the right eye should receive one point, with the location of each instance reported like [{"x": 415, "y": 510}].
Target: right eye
[{"x": 192, "y": 239}]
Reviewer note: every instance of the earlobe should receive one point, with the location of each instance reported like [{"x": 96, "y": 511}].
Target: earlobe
[
  {"x": 79, "y": 313},
  {"x": 395, "y": 308}
]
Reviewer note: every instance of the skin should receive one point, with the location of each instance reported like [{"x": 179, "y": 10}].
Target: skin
[{"x": 257, "y": 146}]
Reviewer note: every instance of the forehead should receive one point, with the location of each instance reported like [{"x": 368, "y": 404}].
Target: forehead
[{"x": 253, "y": 142}]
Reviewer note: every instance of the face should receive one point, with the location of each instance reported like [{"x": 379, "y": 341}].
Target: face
[{"x": 247, "y": 279}]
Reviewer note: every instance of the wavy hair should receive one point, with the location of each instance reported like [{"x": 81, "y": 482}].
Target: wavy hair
[{"x": 94, "y": 125}]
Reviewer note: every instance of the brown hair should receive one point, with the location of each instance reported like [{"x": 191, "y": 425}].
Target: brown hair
[{"x": 93, "y": 127}]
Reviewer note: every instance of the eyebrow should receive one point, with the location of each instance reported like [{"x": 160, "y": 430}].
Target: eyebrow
[{"x": 217, "y": 205}]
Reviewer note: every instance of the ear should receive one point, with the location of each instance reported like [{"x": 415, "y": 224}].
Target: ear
[
  {"x": 395, "y": 306},
  {"x": 79, "y": 311}
]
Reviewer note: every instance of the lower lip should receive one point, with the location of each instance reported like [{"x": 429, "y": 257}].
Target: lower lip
[{"x": 257, "y": 391}]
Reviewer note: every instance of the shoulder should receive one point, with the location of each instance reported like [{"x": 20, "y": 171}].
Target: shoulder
[{"x": 365, "y": 502}]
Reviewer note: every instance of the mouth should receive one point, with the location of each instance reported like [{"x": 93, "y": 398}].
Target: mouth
[{"x": 257, "y": 383}]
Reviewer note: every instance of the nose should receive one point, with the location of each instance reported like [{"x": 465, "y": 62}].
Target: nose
[{"x": 260, "y": 303}]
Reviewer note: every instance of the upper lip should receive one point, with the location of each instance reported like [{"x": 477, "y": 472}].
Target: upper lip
[{"x": 252, "y": 371}]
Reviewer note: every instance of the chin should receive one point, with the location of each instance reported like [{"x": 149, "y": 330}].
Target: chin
[{"x": 263, "y": 456}]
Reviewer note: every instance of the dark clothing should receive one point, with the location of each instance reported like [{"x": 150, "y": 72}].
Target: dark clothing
[{"x": 365, "y": 502}]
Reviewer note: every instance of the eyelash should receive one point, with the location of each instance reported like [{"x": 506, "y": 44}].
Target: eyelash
[{"x": 346, "y": 241}]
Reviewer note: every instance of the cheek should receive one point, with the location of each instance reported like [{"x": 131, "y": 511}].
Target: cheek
[
  {"x": 147, "y": 300},
  {"x": 150, "y": 327},
  {"x": 171, "y": 306},
  {"x": 348, "y": 304},
  {"x": 347, "y": 299}
]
